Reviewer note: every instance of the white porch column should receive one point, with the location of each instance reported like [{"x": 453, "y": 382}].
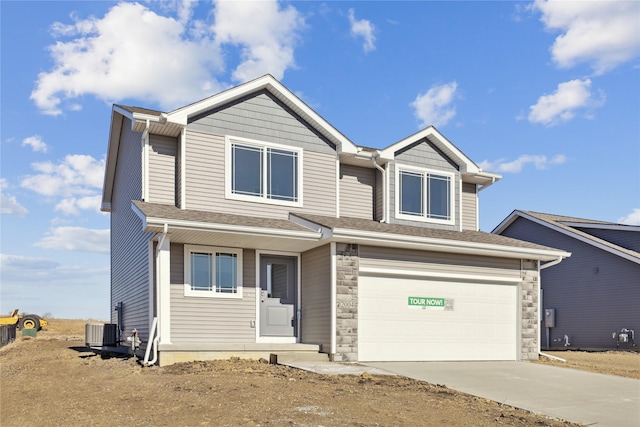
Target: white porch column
[{"x": 163, "y": 291}]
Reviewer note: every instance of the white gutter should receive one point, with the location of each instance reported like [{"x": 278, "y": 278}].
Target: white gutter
[
  {"x": 554, "y": 262},
  {"x": 384, "y": 188},
  {"x": 153, "y": 340}
]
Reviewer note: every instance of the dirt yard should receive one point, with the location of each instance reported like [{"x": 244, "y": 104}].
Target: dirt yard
[{"x": 53, "y": 380}]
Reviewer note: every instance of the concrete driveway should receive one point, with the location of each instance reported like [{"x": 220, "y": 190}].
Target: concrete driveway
[{"x": 568, "y": 394}]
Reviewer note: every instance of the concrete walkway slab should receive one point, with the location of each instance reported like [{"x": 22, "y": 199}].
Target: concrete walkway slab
[
  {"x": 564, "y": 393},
  {"x": 332, "y": 368}
]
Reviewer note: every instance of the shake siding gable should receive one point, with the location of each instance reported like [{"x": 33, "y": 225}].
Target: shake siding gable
[
  {"x": 205, "y": 181},
  {"x": 316, "y": 297},
  {"x": 263, "y": 118},
  {"x": 357, "y": 191},
  {"x": 129, "y": 244},
  {"x": 162, "y": 169},
  {"x": 212, "y": 320}
]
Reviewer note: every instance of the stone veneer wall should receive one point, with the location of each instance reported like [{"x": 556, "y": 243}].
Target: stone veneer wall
[
  {"x": 529, "y": 314},
  {"x": 346, "y": 303}
]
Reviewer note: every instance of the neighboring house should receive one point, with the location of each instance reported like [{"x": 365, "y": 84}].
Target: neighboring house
[
  {"x": 594, "y": 293},
  {"x": 246, "y": 224}
]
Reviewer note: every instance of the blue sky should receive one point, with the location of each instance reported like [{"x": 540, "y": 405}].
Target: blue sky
[{"x": 546, "y": 94}]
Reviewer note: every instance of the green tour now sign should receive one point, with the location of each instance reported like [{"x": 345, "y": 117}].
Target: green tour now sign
[
  {"x": 430, "y": 302},
  {"x": 426, "y": 302}
]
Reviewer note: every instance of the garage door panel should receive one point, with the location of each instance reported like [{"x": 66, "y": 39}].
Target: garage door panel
[{"x": 481, "y": 326}]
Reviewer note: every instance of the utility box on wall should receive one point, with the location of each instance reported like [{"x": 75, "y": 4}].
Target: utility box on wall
[{"x": 550, "y": 317}]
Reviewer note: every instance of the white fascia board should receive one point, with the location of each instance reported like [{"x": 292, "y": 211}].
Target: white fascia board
[
  {"x": 112, "y": 156},
  {"x": 276, "y": 88},
  {"x": 506, "y": 222},
  {"x": 453, "y": 246},
  {"x": 591, "y": 240},
  {"x": 615, "y": 227},
  {"x": 228, "y": 228},
  {"x": 467, "y": 165}
]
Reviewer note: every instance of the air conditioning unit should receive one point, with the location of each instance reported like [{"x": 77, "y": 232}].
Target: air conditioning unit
[{"x": 101, "y": 334}]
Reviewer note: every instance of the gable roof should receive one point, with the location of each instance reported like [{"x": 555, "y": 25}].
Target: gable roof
[
  {"x": 470, "y": 171},
  {"x": 570, "y": 226}
]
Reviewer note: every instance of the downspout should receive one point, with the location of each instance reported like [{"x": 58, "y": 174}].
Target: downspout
[
  {"x": 542, "y": 267},
  {"x": 153, "y": 340},
  {"x": 383, "y": 171}
]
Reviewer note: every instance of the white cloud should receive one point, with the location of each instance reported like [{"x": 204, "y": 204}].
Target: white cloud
[
  {"x": 563, "y": 104},
  {"x": 22, "y": 263},
  {"x": 632, "y": 219},
  {"x": 434, "y": 106},
  {"x": 73, "y": 205},
  {"x": 267, "y": 34},
  {"x": 39, "y": 285},
  {"x": 76, "y": 239},
  {"x": 603, "y": 34},
  {"x": 76, "y": 181},
  {"x": 9, "y": 205},
  {"x": 363, "y": 28},
  {"x": 540, "y": 162},
  {"x": 121, "y": 51},
  {"x": 36, "y": 143}
]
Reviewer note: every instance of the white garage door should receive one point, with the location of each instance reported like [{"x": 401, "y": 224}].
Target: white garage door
[{"x": 406, "y": 319}]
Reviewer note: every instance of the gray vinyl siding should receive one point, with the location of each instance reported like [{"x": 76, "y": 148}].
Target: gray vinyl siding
[
  {"x": 438, "y": 262},
  {"x": 316, "y": 297},
  {"x": 594, "y": 292},
  {"x": 261, "y": 117},
  {"x": 162, "y": 169},
  {"x": 179, "y": 172},
  {"x": 212, "y": 320},
  {"x": 469, "y": 207},
  {"x": 129, "y": 243},
  {"x": 626, "y": 239},
  {"x": 357, "y": 191},
  {"x": 205, "y": 181},
  {"x": 392, "y": 196}
]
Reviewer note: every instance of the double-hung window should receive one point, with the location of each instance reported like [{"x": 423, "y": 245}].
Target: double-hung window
[
  {"x": 212, "y": 272},
  {"x": 424, "y": 195},
  {"x": 263, "y": 172}
]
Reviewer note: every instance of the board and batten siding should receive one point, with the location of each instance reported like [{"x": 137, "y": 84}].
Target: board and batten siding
[
  {"x": 594, "y": 292},
  {"x": 357, "y": 191},
  {"x": 423, "y": 155},
  {"x": 438, "y": 262},
  {"x": 129, "y": 243},
  {"x": 263, "y": 118},
  {"x": 205, "y": 181},
  {"x": 469, "y": 206},
  {"x": 212, "y": 320},
  {"x": 315, "y": 290},
  {"x": 162, "y": 169}
]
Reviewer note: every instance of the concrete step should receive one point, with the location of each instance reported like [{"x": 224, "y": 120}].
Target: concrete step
[{"x": 297, "y": 356}]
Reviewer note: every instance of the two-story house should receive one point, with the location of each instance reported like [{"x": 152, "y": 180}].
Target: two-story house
[{"x": 245, "y": 224}]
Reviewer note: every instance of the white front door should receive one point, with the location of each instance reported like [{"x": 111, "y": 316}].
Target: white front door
[
  {"x": 478, "y": 323},
  {"x": 278, "y": 296}
]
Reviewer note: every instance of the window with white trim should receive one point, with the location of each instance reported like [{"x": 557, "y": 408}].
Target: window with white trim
[
  {"x": 212, "y": 271},
  {"x": 424, "y": 195},
  {"x": 263, "y": 172}
]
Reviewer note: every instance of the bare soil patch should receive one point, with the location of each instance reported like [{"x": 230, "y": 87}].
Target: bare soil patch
[
  {"x": 53, "y": 380},
  {"x": 621, "y": 363}
]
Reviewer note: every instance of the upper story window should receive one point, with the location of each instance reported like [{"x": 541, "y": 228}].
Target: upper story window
[
  {"x": 424, "y": 195},
  {"x": 212, "y": 272},
  {"x": 263, "y": 172}
]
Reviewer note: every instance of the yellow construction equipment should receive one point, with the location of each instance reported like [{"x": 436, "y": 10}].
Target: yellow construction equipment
[{"x": 23, "y": 321}]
